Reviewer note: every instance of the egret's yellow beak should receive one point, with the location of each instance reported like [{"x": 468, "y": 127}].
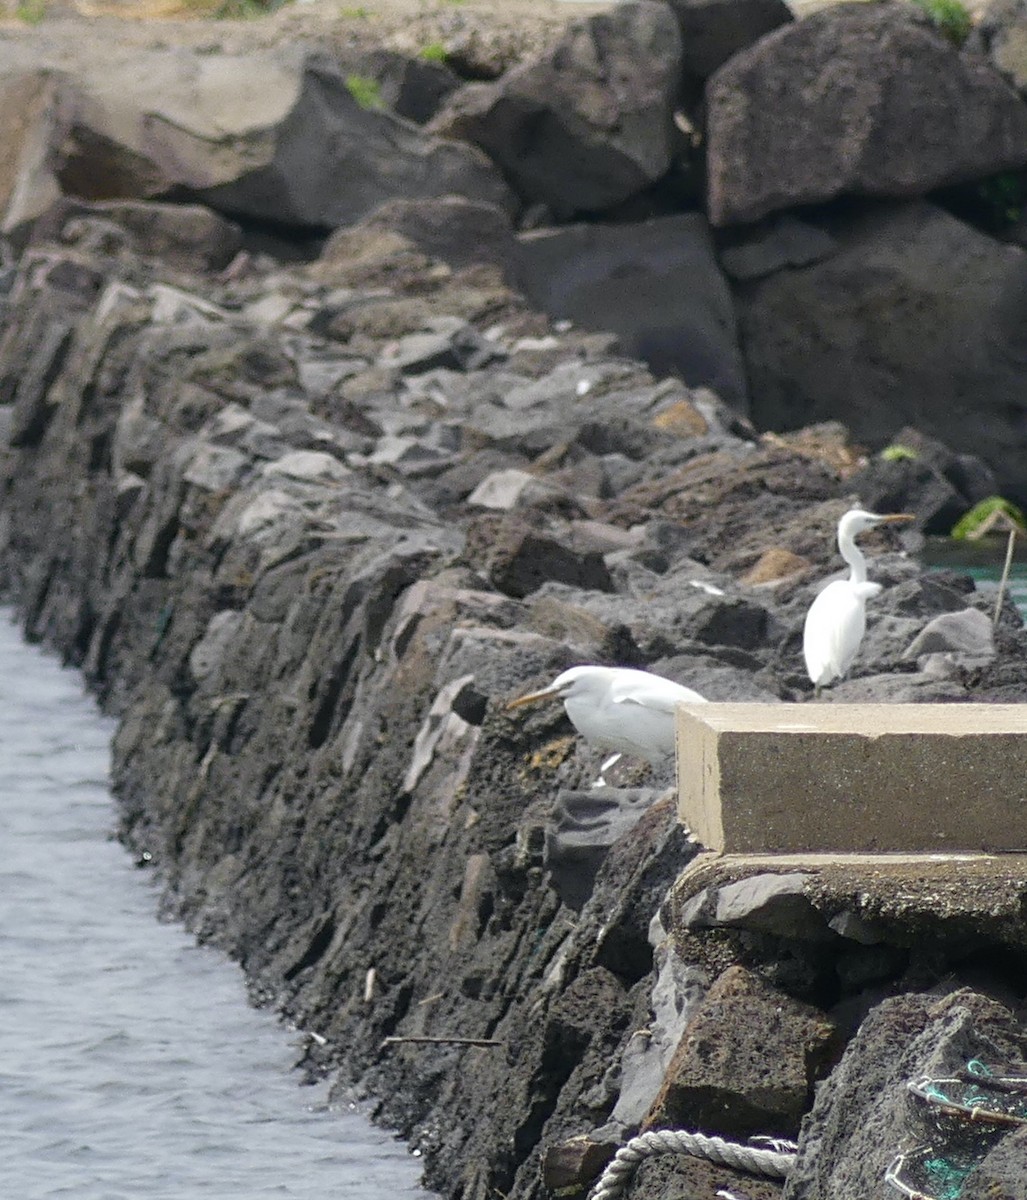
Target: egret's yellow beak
[
  {"x": 534, "y": 698},
  {"x": 892, "y": 518}
]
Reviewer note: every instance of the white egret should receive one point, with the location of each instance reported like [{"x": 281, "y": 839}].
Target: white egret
[
  {"x": 837, "y": 619},
  {"x": 619, "y": 709}
]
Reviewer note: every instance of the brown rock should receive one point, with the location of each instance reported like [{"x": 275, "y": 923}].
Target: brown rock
[
  {"x": 774, "y": 565},
  {"x": 747, "y": 1062},
  {"x": 518, "y": 559},
  {"x": 187, "y": 236},
  {"x": 31, "y": 120},
  {"x": 574, "y": 1164}
]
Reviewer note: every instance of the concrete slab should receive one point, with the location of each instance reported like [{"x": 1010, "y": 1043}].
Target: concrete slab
[{"x": 854, "y": 778}]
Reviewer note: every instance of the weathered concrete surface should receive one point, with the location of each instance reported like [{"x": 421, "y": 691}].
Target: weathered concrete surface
[{"x": 853, "y": 777}]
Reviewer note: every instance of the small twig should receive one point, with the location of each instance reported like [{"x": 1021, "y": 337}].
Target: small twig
[
  {"x": 1015, "y": 1084},
  {"x": 441, "y": 1041},
  {"x": 1005, "y": 577}
]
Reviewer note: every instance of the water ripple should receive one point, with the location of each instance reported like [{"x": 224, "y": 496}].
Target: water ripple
[{"x": 130, "y": 1062}]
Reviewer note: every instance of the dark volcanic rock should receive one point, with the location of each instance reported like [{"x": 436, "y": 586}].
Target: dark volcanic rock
[
  {"x": 413, "y": 88},
  {"x": 953, "y": 366},
  {"x": 587, "y": 124},
  {"x": 1003, "y": 1173},
  {"x": 672, "y": 1176},
  {"x": 747, "y": 1062},
  {"x": 679, "y": 317},
  {"x": 881, "y": 103},
  {"x": 518, "y": 560},
  {"x": 453, "y": 228},
  {"x": 862, "y": 1115}
]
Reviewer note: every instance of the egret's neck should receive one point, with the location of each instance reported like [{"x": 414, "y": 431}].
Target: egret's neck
[{"x": 854, "y": 557}]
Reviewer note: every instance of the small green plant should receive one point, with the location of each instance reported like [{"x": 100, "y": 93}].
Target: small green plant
[
  {"x": 31, "y": 11},
  {"x": 357, "y": 14},
  {"x": 950, "y": 16},
  {"x": 241, "y": 10},
  {"x": 434, "y": 52},
  {"x": 898, "y": 453},
  {"x": 1003, "y": 197},
  {"x": 366, "y": 91},
  {"x": 994, "y": 514}
]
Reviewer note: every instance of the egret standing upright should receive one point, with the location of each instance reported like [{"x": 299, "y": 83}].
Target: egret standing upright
[
  {"x": 619, "y": 709},
  {"x": 837, "y": 618}
]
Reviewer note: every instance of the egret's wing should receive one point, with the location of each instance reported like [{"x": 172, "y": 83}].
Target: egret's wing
[
  {"x": 834, "y": 628},
  {"x": 652, "y": 692}
]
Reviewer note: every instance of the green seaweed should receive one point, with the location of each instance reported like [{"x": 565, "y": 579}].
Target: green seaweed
[
  {"x": 898, "y": 453},
  {"x": 989, "y": 513}
]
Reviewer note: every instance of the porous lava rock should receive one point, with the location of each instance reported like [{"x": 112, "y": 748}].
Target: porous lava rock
[{"x": 864, "y": 100}]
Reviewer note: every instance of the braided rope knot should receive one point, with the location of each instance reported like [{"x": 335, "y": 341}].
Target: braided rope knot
[{"x": 614, "y": 1180}]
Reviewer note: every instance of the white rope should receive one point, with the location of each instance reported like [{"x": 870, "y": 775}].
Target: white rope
[{"x": 615, "y": 1178}]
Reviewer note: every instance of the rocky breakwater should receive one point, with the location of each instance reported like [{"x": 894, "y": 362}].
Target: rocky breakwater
[
  {"x": 306, "y": 531},
  {"x": 819, "y": 219}
]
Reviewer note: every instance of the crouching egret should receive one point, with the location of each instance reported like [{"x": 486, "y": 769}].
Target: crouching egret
[
  {"x": 837, "y": 618},
  {"x": 619, "y": 709}
]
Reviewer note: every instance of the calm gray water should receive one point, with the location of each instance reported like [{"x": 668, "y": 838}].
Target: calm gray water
[{"x": 131, "y": 1064}]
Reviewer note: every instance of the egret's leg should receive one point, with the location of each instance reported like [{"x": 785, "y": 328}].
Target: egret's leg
[{"x": 601, "y": 781}]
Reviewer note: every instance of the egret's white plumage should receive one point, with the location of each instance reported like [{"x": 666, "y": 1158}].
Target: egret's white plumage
[
  {"x": 836, "y": 621},
  {"x": 619, "y": 709}
]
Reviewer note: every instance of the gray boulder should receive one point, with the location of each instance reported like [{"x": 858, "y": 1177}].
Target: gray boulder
[
  {"x": 32, "y": 117},
  {"x": 917, "y": 318},
  {"x": 457, "y": 230},
  {"x": 656, "y": 284},
  {"x": 1003, "y": 1171},
  {"x": 583, "y": 827},
  {"x": 274, "y": 135},
  {"x": 187, "y": 236},
  {"x": 589, "y": 122},
  {"x": 968, "y": 632},
  {"x": 855, "y": 99}
]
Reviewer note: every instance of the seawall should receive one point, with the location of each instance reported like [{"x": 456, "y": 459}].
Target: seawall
[{"x": 250, "y": 508}]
